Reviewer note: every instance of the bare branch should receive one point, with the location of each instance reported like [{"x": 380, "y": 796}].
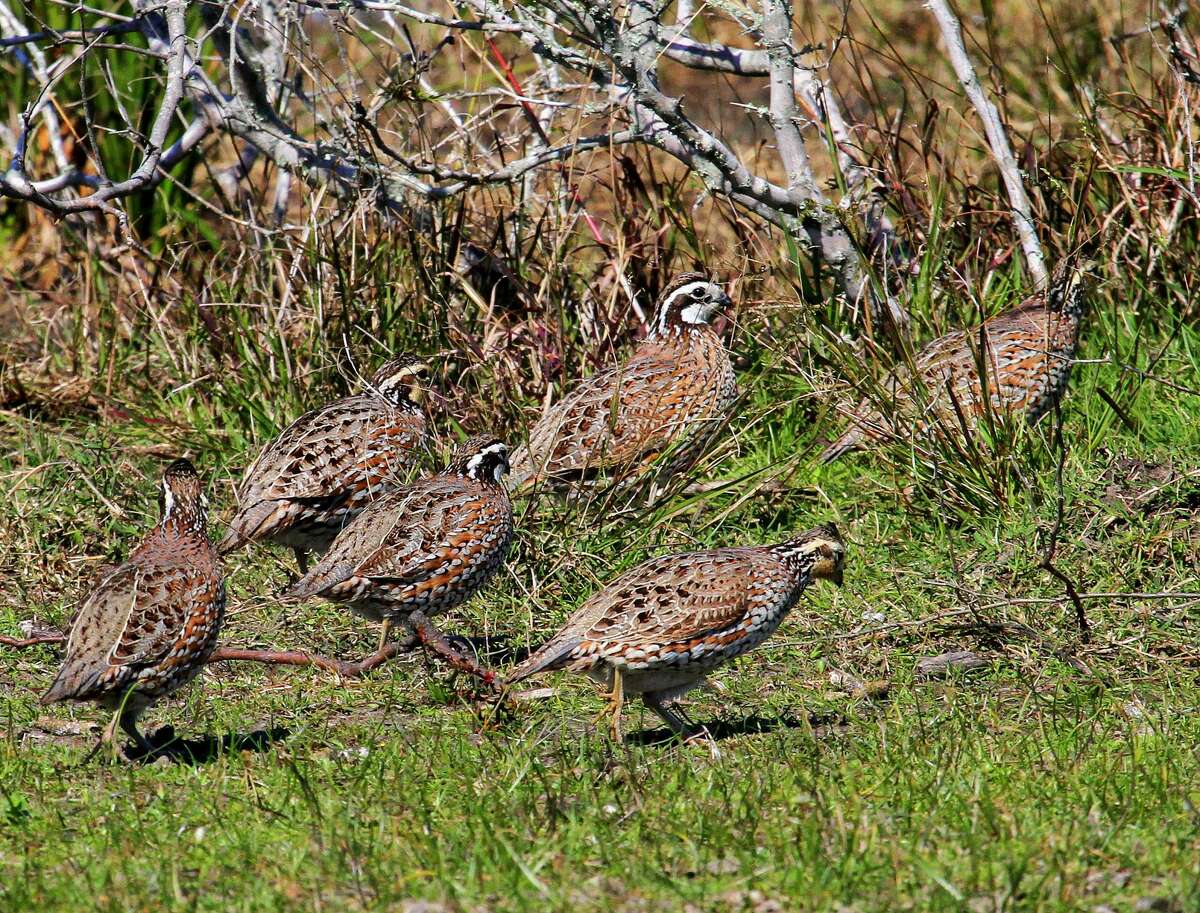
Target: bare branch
[
  {"x": 408, "y": 12},
  {"x": 777, "y": 36},
  {"x": 367, "y": 137},
  {"x": 784, "y": 70},
  {"x": 1002, "y": 153},
  {"x": 120, "y": 28},
  {"x": 15, "y": 183},
  {"x": 461, "y": 180}
]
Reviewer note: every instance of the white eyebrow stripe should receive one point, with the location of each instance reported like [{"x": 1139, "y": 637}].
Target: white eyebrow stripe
[{"x": 693, "y": 313}]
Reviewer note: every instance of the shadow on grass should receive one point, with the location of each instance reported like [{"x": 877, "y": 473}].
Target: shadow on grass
[
  {"x": 749, "y": 725},
  {"x": 205, "y": 750},
  {"x": 494, "y": 651}
]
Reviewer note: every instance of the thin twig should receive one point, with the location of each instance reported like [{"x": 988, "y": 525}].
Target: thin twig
[
  {"x": 66, "y": 35},
  {"x": 20, "y": 643},
  {"x": 343, "y": 668},
  {"x": 1047, "y": 563}
]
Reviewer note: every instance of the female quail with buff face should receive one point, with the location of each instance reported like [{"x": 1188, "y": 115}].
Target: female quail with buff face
[
  {"x": 659, "y": 629},
  {"x": 308, "y": 483},
  {"x": 1026, "y": 355}
]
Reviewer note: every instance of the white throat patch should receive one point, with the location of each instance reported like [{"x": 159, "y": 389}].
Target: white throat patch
[
  {"x": 500, "y": 450},
  {"x": 695, "y": 312},
  {"x": 168, "y": 500}
]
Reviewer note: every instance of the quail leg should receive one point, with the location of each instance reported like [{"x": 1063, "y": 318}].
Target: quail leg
[
  {"x": 678, "y": 725},
  {"x": 385, "y": 629},
  {"x": 617, "y": 697},
  {"x": 681, "y": 724},
  {"x": 110, "y": 739},
  {"x": 128, "y": 722},
  {"x": 612, "y": 707}
]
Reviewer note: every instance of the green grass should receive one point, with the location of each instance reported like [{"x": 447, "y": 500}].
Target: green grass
[
  {"x": 996, "y": 794},
  {"x": 1062, "y": 777}
]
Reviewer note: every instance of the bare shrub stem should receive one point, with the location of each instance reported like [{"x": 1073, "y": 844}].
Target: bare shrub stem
[{"x": 1002, "y": 154}]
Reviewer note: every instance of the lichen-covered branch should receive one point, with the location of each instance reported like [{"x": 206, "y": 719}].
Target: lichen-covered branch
[
  {"x": 1022, "y": 211},
  {"x": 287, "y": 102}
]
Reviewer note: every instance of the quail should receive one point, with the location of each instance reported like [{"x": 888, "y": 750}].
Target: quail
[
  {"x": 308, "y": 483},
  {"x": 422, "y": 549},
  {"x": 1026, "y": 354},
  {"x": 491, "y": 277},
  {"x": 150, "y": 624},
  {"x": 658, "y": 630},
  {"x": 673, "y": 394}
]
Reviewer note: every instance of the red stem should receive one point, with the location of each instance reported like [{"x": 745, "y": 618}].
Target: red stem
[
  {"x": 532, "y": 117},
  {"x": 297, "y": 658},
  {"x": 431, "y": 638},
  {"x": 21, "y": 642}
]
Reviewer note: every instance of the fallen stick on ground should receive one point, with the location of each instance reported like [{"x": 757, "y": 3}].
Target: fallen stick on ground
[
  {"x": 35, "y": 640},
  {"x": 430, "y": 638},
  {"x": 344, "y": 668}
]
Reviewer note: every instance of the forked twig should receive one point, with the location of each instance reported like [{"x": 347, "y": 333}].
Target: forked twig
[{"x": 1047, "y": 564}]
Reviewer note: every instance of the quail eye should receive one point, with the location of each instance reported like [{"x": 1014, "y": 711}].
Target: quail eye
[{"x": 698, "y": 293}]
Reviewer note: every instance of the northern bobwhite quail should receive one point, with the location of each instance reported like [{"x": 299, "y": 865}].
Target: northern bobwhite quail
[
  {"x": 1026, "y": 354},
  {"x": 660, "y": 628},
  {"x": 150, "y": 624},
  {"x": 422, "y": 549},
  {"x": 491, "y": 277},
  {"x": 308, "y": 483},
  {"x": 673, "y": 393}
]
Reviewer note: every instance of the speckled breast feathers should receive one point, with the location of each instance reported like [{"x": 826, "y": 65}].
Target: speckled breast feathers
[{"x": 151, "y": 623}]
